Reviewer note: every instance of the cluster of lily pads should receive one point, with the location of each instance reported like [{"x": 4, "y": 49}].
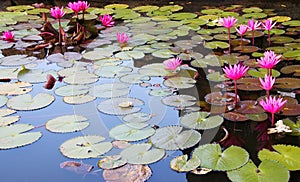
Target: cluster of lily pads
[{"x": 105, "y": 73}]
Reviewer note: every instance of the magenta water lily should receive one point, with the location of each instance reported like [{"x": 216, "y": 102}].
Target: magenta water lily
[
  {"x": 272, "y": 105},
  {"x": 58, "y": 13},
  {"x": 122, "y": 38},
  {"x": 228, "y": 23},
  {"x": 241, "y": 31},
  {"x": 172, "y": 64},
  {"x": 107, "y": 20},
  {"x": 8, "y": 36},
  {"x": 235, "y": 72},
  {"x": 267, "y": 24},
  {"x": 253, "y": 25},
  {"x": 269, "y": 60},
  {"x": 267, "y": 83}
]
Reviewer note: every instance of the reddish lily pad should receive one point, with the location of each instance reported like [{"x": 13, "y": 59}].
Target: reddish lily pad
[
  {"x": 235, "y": 116},
  {"x": 246, "y": 49},
  {"x": 290, "y": 110},
  {"x": 249, "y": 107},
  {"x": 249, "y": 84},
  {"x": 287, "y": 83},
  {"x": 257, "y": 117},
  {"x": 219, "y": 98},
  {"x": 295, "y": 69}
]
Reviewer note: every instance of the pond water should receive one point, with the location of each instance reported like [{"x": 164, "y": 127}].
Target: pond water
[{"x": 104, "y": 82}]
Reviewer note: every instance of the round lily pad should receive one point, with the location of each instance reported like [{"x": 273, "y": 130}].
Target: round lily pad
[
  {"x": 127, "y": 133},
  {"x": 281, "y": 39},
  {"x": 27, "y": 103},
  {"x": 78, "y": 99},
  {"x": 17, "y": 136},
  {"x": 6, "y": 119},
  {"x": 287, "y": 155},
  {"x": 249, "y": 84},
  {"x": 16, "y": 60},
  {"x": 182, "y": 164},
  {"x": 71, "y": 90},
  {"x": 175, "y": 138},
  {"x": 287, "y": 83},
  {"x": 179, "y": 82},
  {"x": 137, "y": 117},
  {"x": 84, "y": 147},
  {"x": 155, "y": 69},
  {"x": 112, "y": 71},
  {"x": 292, "y": 23},
  {"x": 290, "y": 109},
  {"x": 134, "y": 78},
  {"x": 67, "y": 123},
  {"x": 109, "y": 90},
  {"x": 3, "y": 100},
  {"x": 212, "y": 157},
  {"x": 249, "y": 107},
  {"x": 257, "y": 117},
  {"x": 219, "y": 98},
  {"x": 142, "y": 154},
  {"x": 111, "y": 162},
  {"x": 161, "y": 92},
  {"x": 200, "y": 120},
  {"x": 17, "y": 88},
  {"x": 216, "y": 44},
  {"x": 34, "y": 75},
  {"x": 235, "y": 116},
  {"x": 120, "y": 106},
  {"x": 267, "y": 171},
  {"x": 179, "y": 100}
]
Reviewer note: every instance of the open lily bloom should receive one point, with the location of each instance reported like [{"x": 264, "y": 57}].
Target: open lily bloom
[
  {"x": 235, "y": 72},
  {"x": 269, "y": 60},
  {"x": 268, "y": 24},
  {"x": 74, "y": 6},
  {"x": 253, "y": 25},
  {"x": 172, "y": 64},
  {"x": 57, "y": 12},
  {"x": 107, "y": 20},
  {"x": 122, "y": 37},
  {"x": 242, "y": 29},
  {"x": 228, "y": 22},
  {"x": 268, "y": 82},
  {"x": 8, "y": 36},
  {"x": 84, "y": 5}
]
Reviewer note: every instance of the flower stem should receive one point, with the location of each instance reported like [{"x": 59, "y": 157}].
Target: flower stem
[
  {"x": 253, "y": 37},
  {"x": 229, "y": 41},
  {"x": 272, "y": 119},
  {"x": 235, "y": 92},
  {"x": 270, "y": 71},
  {"x": 267, "y": 93},
  {"x": 77, "y": 26},
  {"x": 59, "y": 35},
  {"x": 269, "y": 40}
]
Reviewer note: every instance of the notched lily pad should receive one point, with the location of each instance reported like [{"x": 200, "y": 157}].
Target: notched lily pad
[
  {"x": 287, "y": 83},
  {"x": 67, "y": 123},
  {"x": 179, "y": 82},
  {"x": 16, "y": 88},
  {"x": 179, "y": 100},
  {"x": 111, "y": 162},
  {"x": 200, "y": 120},
  {"x": 127, "y": 133},
  {"x": 182, "y": 164}
]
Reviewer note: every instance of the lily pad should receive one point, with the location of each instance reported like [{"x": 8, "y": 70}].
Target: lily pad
[
  {"x": 235, "y": 116},
  {"x": 71, "y": 90},
  {"x": 17, "y": 88},
  {"x": 137, "y": 117},
  {"x": 84, "y": 147},
  {"x": 295, "y": 69},
  {"x": 109, "y": 90},
  {"x": 179, "y": 82},
  {"x": 281, "y": 39},
  {"x": 216, "y": 77},
  {"x": 163, "y": 53},
  {"x": 6, "y": 119},
  {"x": 17, "y": 136},
  {"x": 27, "y": 103},
  {"x": 200, "y": 120},
  {"x": 175, "y": 138},
  {"x": 257, "y": 117},
  {"x": 17, "y": 60},
  {"x": 127, "y": 133},
  {"x": 292, "y": 54},
  {"x": 78, "y": 99},
  {"x": 142, "y": 154},
  {"x": 216, "y": 44},
  {"x": 219, "y": 98},
  {"x": 249, "y": 107},
  {"x": 290, "y": 109},
  {"x": 35, "y": 75},
  {"x": 287, "y": 83},
  {"x": 3, "y": 100},
  {"x": 182, "y": 164},
  {"x": 292, "y": 23},
  {"x": 267, "y": 171},
  {"x": 287, "y": 155},
  {"x": 294, "y": 126},
  {"x": 161, "y": 92},
  {"x": 179, "y": 100},
  {"x": 111, "y": 162},
  {"x": 212, "y": 157},
  {"x": 155, "y": 69},
  {"x": 112, "y": 71},
  {"x": 134, "y": 78},
  {"x": 115, "y": 106},
  {"x": 67, "y": 123},
  {"x": 246, "y": 49}
]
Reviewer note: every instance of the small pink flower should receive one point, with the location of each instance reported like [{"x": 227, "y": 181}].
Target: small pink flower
[
  {"x": 269, "y": 60},
  {"x": 122, "y": 37},
  {"x": 235, "y": 72},
  {"x": 268, "y": 82},
  {"x": 242, "y": 29},
  {"x": 8, "y": 36},
  {"x": 228, "y": 22},
  {"x": 253, "y": 25},
  {"x": 272, "y": 105},
  {"x": 57, "y": 12},
  {"x": 172, "y": 64},
  {"x": 74, "y": 6},
  {"x": 268, "y": 24},
  {"x": 84, "y": 5},
  {"x": 106, "y": 20}
]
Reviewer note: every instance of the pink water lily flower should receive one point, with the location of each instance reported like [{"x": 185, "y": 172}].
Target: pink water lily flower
[
  {"x": 8, "y": 36},
  {"x": 253, "y": 25},
  {"x": 267, "y": 83},
  {"x": 235, "y": 72},
  {"x": 74, "y": 6},
  {"x": 269, "y": 60},
  {"x": 268, "y": 24},
  {"x": 84, "y": 5},
  {"x": 107, "y": 21},
  {"x": 172, "y": 64},
  {"x": 272, "y": 105},
  {"x": 57, "y": 12},
  {"x": 228, "y": 22},
  {"x": 122, "y": 37},
  {"x": 241, "y": 30}
]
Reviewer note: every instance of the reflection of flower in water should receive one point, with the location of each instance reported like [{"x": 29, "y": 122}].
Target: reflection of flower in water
[
  {"x": 263, "y": 139},
  {"x": 232, "y": 138}
]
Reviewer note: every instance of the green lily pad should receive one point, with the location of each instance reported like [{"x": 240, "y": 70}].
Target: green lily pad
[
  {"x": 183, "y": 16},
  {"x": 163, "y": 53},
  {"x": 292, "y": 23},
  {"x": 6, "y": 119},
  {"x": 260, "y": 73},
  {"x": 84, "y": 147},
  {"x": 116, "y": 6},
  {"x": 27, "y": 103},
  {"x": 182, "y": 164},
  {"x": 161, "y": 92},
  {"x": 71, "y": 90},
  {"x": 252, "y": 10},
  {"x": 35, "y": 75},
  {"x": 212, "y": 11},
  {"x": 279, "y": 49},
  {"x": 287, "y": 155},
  {"x": 281, "y": 18},
  {"x": 267, "y": 171},
  {"x": 179, "y": 82},
  {"x": 257, "y": 117},
  {"x": 200, "y": 120},
  {"x": 255, "y": 15},
  {"x": 16, "y": 60},
  {"x": 134, "y": 78},
  {"x": 112, "y": 71},
  {"x": 216, "y": 44},
  {"x": 294, "y": 126},
  {"x": 3, "y": 100},
  {"x": 137, "y": 117},
  {"x": 111, "y": 162},
  {"x": 223, "y": 37},
  {"x": 211, "y": 60},
  {"x": 120, "y": 106},
  {"x": 216, "y": 77},
  {"x": 275, "y": 31},
  {"x": 16, "y": 88},
  {"x": 142, "y": 154},
  {"x": 109, "y": 90},
  {"x": 17, "y": 136},
  {"x": 145, "y": 9},
  {"x": 67, "y": 123},
  {"x": 174, "y": 138},
  {"x": 256, "y": 34},
  {"x": 127, "y": 133},
  {"x": 212, "y": 157},
  {"x": 172, "y": 8},
  {"x": 19, "y": 8},
  {"x": 155, "y": 69},
  {"x": 292, "y": 54},
  {"x": 281, "y": 39},
  {"x": 78, "y": 99},
  {"x": 179, "y": 100}
]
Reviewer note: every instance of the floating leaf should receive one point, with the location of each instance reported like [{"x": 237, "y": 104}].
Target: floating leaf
[
  {"x": 67, "y": 123},
  {"x": 255, "y": 15},
  {"x": 219, "y": 98},
  {"x": 212, "y": 157},
  {"x": 134, "y": 78},
  {"x": 112, "y": 71},
  {"x": 287, "y": 155},
  {"x": 5, "y": 119},
  {"x": 16, "y": 88},
  {"x": 128, "y": 172},
  {"x": 16, "y": 60},
  {"x": 200, "y": 120},
  {"x": 292, "y": 23},
  {"x": 137, "y": 117},
  {"x": 3, "y": 100},
  {"x": 17, "y": 136},
  {"x": 235, "y": 116},
  {"x": 109, "y": 90},
  {"x": 78, "y": 99},
  {"x": 84, "y": 147},
  {"x": 287, "y": 83},
  {"x": 281, "y": 18},
  {"x": 295, "y": 69},
  {"x": 252, "y": 10},
  {"x": 249, "y": 107},
  {"x": 34, "y": 75},
  {"x": 257, "y": 117},
  {"x": 216, "y": 77},
  {"x": 77, "y": 167},
  {"x": 216, "y": 44},
  {"x": 281, "y": 39},
  {"x": 182, "y": 164},
  {"x": 246, "y": 49},
  {"x": 147, "y": 8},
  {"x": 267, "y": 171},
  {"x": 260, "y": 73},
  {"x": 112, "y": 106},
  {"x": 155, "y": 69},
  {"x": 249, "y": 84},
  {"x": 174, "y": 138},
  {"x": 290, "y": 109},
  {"x": 161, "y": 92},
  {"x": 179, "y": 100},
  {"x": 294, "y": 126},
  {"x": 111, "y": 162},
  {"x": 27, "y": 103},
  {"x": 142, "y": 154},
  {"x": 127, "y": 133},
  {"x": 163, "y": 53},
  {"x": 179, "y": 82},
  {"x": 183, "y": 16},
  {"x": 71, "y": 90}
]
